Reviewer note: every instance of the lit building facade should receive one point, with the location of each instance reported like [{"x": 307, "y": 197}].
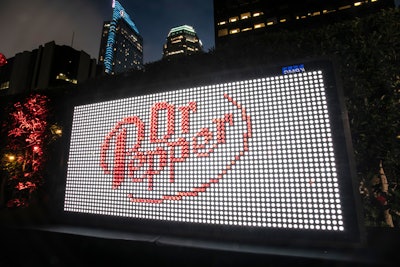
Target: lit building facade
[
  {"x": 49, "y": 66},
  {"x": 240, "y": 18},
  {"x": 182, "y": 40},
  {"x": 121, "y": 47}
]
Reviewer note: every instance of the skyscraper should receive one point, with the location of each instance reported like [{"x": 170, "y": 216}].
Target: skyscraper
[
  {"x": 182, "y": 40},
  {"x": 121, "y": 47}
]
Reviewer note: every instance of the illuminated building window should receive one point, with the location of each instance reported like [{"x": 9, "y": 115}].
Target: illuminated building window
[
  {"x": 5, "y": 85},
  {"x": 282, "y": 20},
  {"x": 247, "y": 29},
  {"x": 62, "y": 76},
  {"x": 271, "y": 22},
  {"x": 358, "y": 3},
  {"x": 223, "y": 32},
  {"x": 221, "y": 23},
  {"x": 259, "y": 25},
  {"x": 257, "y": 14},
  {"x": 176, "y": 52},
  {"x": 344, "y": 7},
  {"x": 325, "y": 11},
  {"x": 177, "y": 37},
  {"x": 234, "y": 19},
  {"x": 316, "y": 13},
  {"x": 302, "y": 16},
  {"x": 234, "y": 31},
  {"x": 245, "y": 15},
  {"x": 192, "y": 40}
]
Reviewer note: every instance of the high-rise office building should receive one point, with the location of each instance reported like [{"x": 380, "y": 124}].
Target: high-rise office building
[
  {"x": 121, "y": 47},
  {"x": 47, "y": 67},
  {"x": 234, "y": 19},
  {"x": 182, "y": 40}
]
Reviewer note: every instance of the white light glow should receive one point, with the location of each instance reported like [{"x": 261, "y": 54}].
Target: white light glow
[{"x": 253, "y": 153}]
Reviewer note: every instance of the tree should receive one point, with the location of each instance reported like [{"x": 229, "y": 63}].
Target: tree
[{"x": 23, "y": 159}]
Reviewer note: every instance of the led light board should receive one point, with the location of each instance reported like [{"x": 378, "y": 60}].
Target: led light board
[{"x": 259, "y": 154}]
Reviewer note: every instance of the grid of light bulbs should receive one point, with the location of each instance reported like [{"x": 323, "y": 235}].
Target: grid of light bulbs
[{"x": 286, "y": 179}]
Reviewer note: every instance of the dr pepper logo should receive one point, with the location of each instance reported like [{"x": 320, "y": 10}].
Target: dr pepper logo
[{"x": 179, "y": 153}]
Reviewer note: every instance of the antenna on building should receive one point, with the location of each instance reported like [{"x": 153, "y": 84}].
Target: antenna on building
[{"x": 72, "y": 40}]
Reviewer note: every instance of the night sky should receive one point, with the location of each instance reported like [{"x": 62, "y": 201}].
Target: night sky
[{"x": 26, "y": 24}]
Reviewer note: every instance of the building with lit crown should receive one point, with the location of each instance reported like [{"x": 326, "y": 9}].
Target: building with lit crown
[
  {"x": 236, "y": 19},
  {"x": 121, "y": 47},
  {"x": 182, "y": 40}
]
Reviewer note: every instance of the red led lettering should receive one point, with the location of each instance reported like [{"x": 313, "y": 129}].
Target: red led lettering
[
  {"x": 119, "y": 159},
  {"x": 154, "y": 122},
  {"x": 148, "y": 164},
  {"x": 173, "y": 159},
  {"x": 221, "y": 133},
  {"x": 154, "y": 170},
  {"x": 185, "y": 123},
  {"x": 207, "y": 137},
  {"x": 140, "y": 158},
  {"x": 120, "y": 148}
]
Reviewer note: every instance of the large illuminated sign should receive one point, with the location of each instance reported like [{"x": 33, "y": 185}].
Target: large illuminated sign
[{"x": 260, "y": 153}]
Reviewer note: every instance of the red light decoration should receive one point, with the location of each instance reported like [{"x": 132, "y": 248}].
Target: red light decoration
[
  {"x": 26, "y": 139},
  {"x": 3, "y": 60}
]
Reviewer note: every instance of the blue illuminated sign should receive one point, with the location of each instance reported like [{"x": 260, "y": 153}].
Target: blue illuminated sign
[{"x": 293, "y": 69}]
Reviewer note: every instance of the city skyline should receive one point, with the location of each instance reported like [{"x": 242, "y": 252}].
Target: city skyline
[{"x": 33, "y": 24}]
